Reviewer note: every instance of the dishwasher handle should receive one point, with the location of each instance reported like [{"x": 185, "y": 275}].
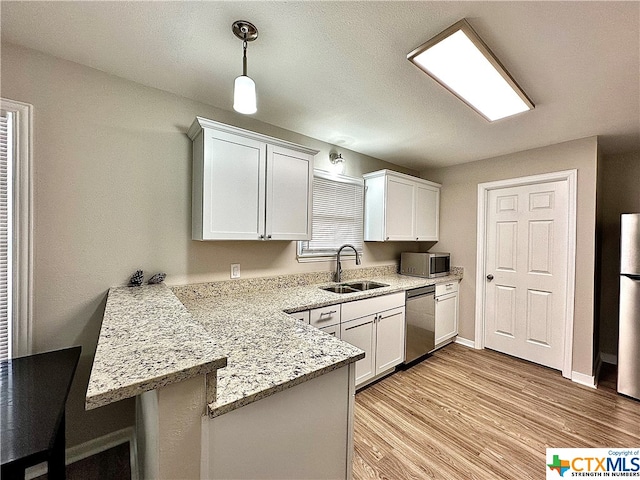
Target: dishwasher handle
[{"x": 417, "y": 292}]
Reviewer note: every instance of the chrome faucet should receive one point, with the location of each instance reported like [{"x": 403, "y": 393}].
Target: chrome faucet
[{"x": 338, "y": 274}]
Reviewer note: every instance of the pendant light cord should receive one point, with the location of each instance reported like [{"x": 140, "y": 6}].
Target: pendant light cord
[
  {"x": 244, "y": 57},
  {"x": 244, "y": 52}
]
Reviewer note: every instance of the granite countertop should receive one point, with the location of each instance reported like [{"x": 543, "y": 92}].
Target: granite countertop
[
  {"x": 242, "y": 323},
  {"x": 148, "y": 339}
]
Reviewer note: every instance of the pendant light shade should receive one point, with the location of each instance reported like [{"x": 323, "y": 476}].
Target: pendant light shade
[
  {"x": 244, "y": 95},
  {"x": 244, "y": 90}
]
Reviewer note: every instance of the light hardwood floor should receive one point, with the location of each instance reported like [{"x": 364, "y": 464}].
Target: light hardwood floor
[{"x": 478, "y": 414}]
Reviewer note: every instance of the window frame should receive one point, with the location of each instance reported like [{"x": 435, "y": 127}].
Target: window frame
[
  {"x": 346, "y": 254},
  {"x": 22, "y": 239}
]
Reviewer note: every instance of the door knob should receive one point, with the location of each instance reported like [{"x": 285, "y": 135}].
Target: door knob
[{"x": 489, "y": 277}]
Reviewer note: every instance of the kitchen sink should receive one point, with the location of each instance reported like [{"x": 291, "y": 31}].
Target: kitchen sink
[
  {"x": 365, "y": 285},
  {"x": 340, "y": 289},
  {"x": 353, "y": 287}
]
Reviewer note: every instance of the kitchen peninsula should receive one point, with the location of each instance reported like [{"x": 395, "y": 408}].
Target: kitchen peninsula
[{"x": 193, "y": 355}]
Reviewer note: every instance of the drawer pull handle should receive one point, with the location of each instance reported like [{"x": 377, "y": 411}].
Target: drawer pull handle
[
  {"x": 328, "y": 313},
  {"x": 356, "y": 326}
]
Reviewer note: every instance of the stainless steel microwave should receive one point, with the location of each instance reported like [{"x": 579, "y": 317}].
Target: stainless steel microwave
[{"x": 427, "y": 265}]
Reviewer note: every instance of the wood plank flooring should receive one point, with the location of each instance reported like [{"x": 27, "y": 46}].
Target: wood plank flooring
[{"x": 478, "y": 414}]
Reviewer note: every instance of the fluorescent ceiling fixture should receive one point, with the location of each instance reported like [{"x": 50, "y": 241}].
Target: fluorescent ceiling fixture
[{"x": 460, "y": 61}]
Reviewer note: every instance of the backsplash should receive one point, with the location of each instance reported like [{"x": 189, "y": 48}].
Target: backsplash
[
  {"x": 201, "y": 290},
  {"x": 227, "y": 287}
]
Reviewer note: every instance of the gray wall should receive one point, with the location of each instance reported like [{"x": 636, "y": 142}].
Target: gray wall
[
  {"x": 619, "y": 193},
  {"x": 112, "y": 193},
  {"x": 458, "y": 226}
]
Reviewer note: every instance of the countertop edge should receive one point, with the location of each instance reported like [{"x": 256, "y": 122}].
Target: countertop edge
[
  {"x": 122, "y": 393},
  {"x": 217, "y": 410}
]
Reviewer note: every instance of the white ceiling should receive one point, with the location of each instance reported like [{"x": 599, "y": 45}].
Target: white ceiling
[{"x": 337, "y": 71}]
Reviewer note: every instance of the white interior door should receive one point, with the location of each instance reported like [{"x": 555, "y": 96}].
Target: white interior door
[{"x": 527, "y": 236}]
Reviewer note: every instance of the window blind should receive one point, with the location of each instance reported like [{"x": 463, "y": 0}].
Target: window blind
[
  {"x": 337, "y": 215},
  {"x": 6, "y": 141}
]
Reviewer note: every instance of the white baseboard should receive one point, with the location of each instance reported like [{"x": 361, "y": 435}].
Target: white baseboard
[
  {"x": 466, "y": 342},
  {"x": 610, "y": 358},
  {"x": 93, "y": 447},
  {"x": 582, "y": 379}
]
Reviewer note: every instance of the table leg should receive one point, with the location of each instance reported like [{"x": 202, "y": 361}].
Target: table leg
[
  {"x": 56, "y": 463},
  {"x": 13, "y": 472}
]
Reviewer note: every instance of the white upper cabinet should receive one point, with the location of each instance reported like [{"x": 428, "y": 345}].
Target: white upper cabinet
[
  {"x": 427, "y": 212},
  {"x": 248, "y": 186},
  {"x": 400, "y": 207},
  {"x": 289, "y": 187}
]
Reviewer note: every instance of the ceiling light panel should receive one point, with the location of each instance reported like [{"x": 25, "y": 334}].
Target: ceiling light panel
[{"x": 460, "y": 61}]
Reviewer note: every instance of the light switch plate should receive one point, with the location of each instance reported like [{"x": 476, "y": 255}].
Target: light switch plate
[{"x": 235, "y": 270}]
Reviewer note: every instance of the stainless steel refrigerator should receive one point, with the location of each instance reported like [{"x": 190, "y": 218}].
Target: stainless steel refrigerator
[{"x": 629, "y": 337}]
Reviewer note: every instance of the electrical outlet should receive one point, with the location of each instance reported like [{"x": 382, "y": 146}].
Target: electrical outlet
[{"x": 235, "y": 270}]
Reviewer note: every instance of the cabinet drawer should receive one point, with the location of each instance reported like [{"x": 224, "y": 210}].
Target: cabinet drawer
[
  {"x": 325, "y": 316},
  {"x": 444, "y": 288},
  {"x": 370, "y": 306},
  {"x": 332, "y": 330},
  {"x": 302, "y": 316}
]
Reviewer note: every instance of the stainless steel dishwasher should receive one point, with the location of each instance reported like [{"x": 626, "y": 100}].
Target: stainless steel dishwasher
[{"x": 420, "y": 314}]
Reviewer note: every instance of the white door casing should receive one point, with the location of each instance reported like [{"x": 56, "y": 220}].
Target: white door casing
[{"x": 526, "y": 241}]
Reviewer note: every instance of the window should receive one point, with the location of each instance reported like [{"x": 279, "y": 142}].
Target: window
[
  {"x": 337, "y": 216},
  {"x": 15, "y": 229}
]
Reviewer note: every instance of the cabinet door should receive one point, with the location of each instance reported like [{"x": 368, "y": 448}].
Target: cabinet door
[
  {"x": 288, "y": 206},
  {"x": 427, "y": 212},
  {"x": 400, "y": 213},
  {"x": 360, "y": 333},
  {"x": 446, "y": 317},
  {"x": 233, "y": 187},
  {"x": 389, "y": 339}
]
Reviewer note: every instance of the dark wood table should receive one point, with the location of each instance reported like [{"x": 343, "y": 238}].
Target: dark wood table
[{"x": 33, "y": 393}]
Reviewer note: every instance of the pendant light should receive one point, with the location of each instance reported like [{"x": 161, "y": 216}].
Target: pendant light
[{"x": 244, "y": 91}]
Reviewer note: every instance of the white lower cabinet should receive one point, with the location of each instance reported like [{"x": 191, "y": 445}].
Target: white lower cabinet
[
  {"x": 389, "y": 339},
  {"x": 361, "y": 333},
  {"x": 376, "y": 326},
  {"x": 446, "y": 313}
]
